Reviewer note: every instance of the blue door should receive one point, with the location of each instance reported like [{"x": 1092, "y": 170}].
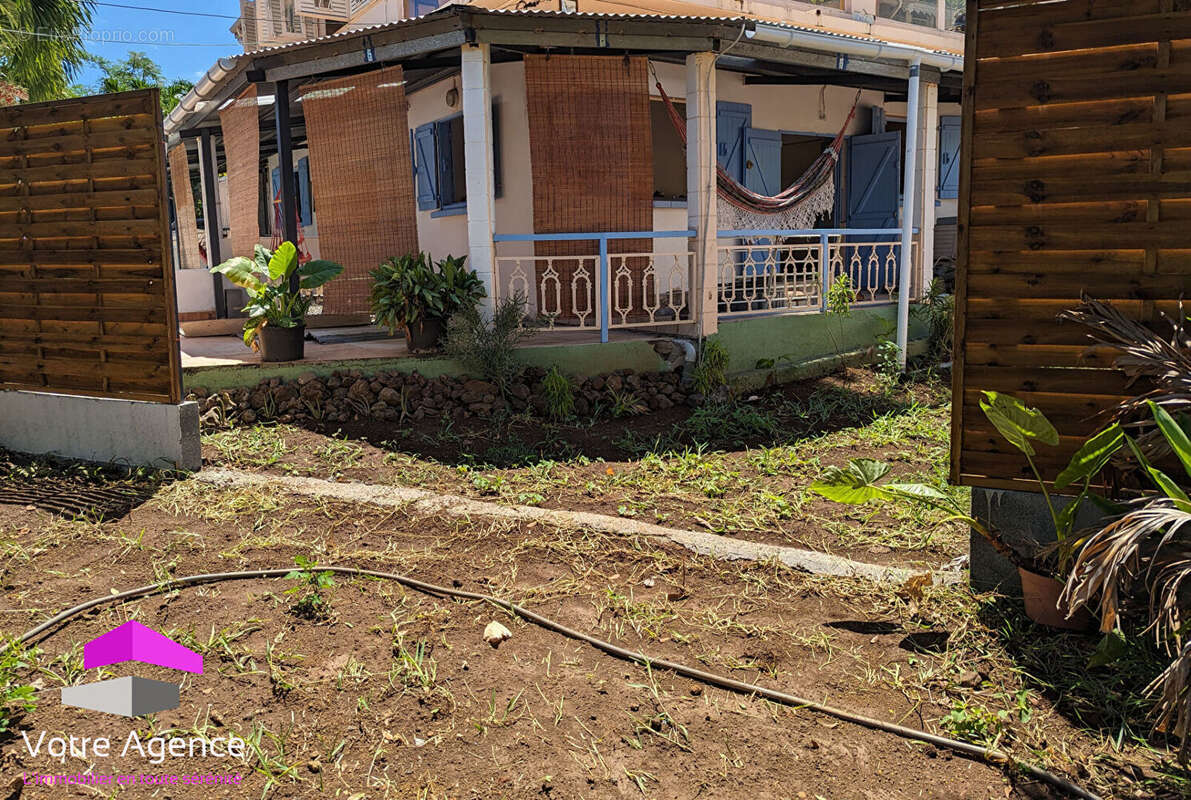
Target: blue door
[
  {"x": 874, "y": 198},
  {"x": 732, "y": 120},
  {"x": 763, "y": 161},
  {"x": 949, "y": 141}
]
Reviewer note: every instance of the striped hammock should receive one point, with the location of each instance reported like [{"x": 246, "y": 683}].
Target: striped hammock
[{"x": 798, "y": 206}]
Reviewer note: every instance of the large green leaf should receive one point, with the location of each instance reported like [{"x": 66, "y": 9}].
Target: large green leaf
[
  {"x": 1017, "y": 422},
  {"x": 316, "y": 273},
  {"x": 1176, "y": 437},
  {"x": 261, "y": 256},
  {"x": 239, "y": 270},
  {"x": 1165, "y": 485},
  {"x": 281, "y": 264},
  {"x": 1092, "y": 456},
  {"x": 854, "y": 484}
]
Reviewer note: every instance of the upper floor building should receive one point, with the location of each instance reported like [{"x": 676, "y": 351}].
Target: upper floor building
[{"x": 936, "y": 24}]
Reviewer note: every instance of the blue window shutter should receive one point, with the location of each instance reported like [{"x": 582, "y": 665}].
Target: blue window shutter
[
  {"x": 874, "y": 175},
  {"x": 763, "y": 161},
  {"x": 949, "y": 142},
  {"x": 446, "y": 162},
  {"x": 304, "y": 205},
  {"x": 496, "y": 170},
  {"x": 276, "y": 186},
  {"x": 426, "y": 167},
  {"x": 731, "y": 122}
]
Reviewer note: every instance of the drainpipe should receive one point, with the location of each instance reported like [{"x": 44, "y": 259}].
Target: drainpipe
[
  {"x": 916, "y": 58},
  {"x": 906, "y": 262}
]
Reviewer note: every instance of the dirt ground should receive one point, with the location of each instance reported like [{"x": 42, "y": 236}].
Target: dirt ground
[
  {"x": 740, "y": 471},
  {"x": 364, "y": 689}
]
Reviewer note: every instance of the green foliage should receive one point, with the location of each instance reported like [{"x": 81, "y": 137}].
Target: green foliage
[
  {"x": 138, "y": 71},
  {"x": 729, "y": 422},
  {"x": 488, "y": 348},
  {"x": 840, "y": 296},
  {"x": 1021, "y": 425},
  {"x": 409, "y": 287},
  {"x": 559, "y": 394},
  {"x": 266, "y": 279},
  {"x": 888, "y": 363},
  {"x": 44, "y": 65},
  {"x": 626, "y": 403},
  {"x": 312, "y": 581},
  {"x": 16, "y": 698},
  {"x": 938, "y": 309},
  {"x": 712, "y": 370}
]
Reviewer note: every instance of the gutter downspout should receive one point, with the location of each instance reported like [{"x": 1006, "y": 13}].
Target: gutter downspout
[
  {"x": 909, "y": 205},
  {"x": 916, "y": 58}
]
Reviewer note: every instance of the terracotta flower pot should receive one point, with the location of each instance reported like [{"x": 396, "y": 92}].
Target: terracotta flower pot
[
  {"x": 282, "y": 344},
  {"x": 423, "y": 334},
  {"x": 1041, "y": 595}
]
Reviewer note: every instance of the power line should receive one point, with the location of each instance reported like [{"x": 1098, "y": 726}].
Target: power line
[{"x": 168, "y": 11}]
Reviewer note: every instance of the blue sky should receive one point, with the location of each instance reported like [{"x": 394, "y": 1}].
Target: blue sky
[{"x": 183, "y": 44}]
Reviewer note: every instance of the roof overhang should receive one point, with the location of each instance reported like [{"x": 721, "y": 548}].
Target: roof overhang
[{"x": 823, "y": 55}]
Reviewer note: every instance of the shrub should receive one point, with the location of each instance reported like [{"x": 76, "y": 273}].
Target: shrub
[
  {"x": 712, "y": 370},
  {"x": 559, "y": 394},
  {"x": 488, "y": 348},
  {"x": 407, "y": 288},
  {"x": 15, "y": 698}
]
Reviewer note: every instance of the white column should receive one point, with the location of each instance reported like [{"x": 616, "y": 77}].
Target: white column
[
  {"x": 701, "y": 189},
  {"x": 478, "y": 165},
  {"x": 906, "y": 262},
  {"x": 928, "y": 182}
]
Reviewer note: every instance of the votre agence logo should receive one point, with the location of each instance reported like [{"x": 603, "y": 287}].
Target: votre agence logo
[{"x": 132, "y": 696}]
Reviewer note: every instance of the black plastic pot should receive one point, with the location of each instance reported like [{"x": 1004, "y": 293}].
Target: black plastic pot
[
  {"x": 423, "y": 334},
  {"x": 282, "y": 344}
]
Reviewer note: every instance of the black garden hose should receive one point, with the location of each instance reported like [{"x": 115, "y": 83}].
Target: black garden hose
[{"x": 990, "y": 755}]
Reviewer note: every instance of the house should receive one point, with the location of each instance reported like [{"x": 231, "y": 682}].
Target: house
[{"x": 538, "y": 141}]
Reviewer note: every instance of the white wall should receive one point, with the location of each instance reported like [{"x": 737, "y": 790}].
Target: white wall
[{"x": 440, "y": 236}]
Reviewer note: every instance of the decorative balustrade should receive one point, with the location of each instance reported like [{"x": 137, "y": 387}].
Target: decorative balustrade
[
  {"x": 766, "y": 271},
  {"x": 602, "y": 290}
]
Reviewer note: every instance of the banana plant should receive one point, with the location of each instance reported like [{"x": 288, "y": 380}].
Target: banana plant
[{"x": 266, "y": 279}]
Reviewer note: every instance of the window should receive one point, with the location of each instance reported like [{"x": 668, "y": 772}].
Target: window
[
  {"x": 440, "y": 173},
  {"x": 949, "y": 129},
  {"x": 419, "y": 8},
  {"x": 916, "y": 12},
  {"x": 669, "y": 155}
]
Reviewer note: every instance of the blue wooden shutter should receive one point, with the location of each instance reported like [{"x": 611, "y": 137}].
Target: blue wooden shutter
[
  {"x": 426, "y": 168},
  {"x": 731, "y": 122},
  {"x": 878, "y": 120},
  {"x": 874, "y": 180},
  {"x": 446, "y": 162},
  {"x": 304, "y": 204},
  {"x": 949, "y": 140},
  {"x": 763, "y": 161}
]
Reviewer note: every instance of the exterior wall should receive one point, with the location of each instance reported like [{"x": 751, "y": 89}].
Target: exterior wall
[
  {"x": 441, "y": 235},
  {"x": 377, "y": 13}
]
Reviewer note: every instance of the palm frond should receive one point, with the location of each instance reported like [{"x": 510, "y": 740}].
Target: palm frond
[{"x": 1173, "y": 710}]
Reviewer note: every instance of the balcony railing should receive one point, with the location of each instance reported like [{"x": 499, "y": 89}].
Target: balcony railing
[
  {"x": 640, "y": 285},
  {"x": 768, "y": 271}
]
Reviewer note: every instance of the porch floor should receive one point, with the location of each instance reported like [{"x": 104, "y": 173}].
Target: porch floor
[{"x": 200, "y": 352}]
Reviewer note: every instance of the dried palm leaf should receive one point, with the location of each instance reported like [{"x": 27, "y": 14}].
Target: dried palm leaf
[{"x": 1173, "y": 710}]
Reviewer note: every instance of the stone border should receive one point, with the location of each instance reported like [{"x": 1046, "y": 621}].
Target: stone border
[{"x": 703, "y": 543}]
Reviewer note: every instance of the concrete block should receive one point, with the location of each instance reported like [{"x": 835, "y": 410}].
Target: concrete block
[
  {"x": 128, "y": 697},
  {"x": 1024, "y": 520},
  {"x": 101, "y": 429}
]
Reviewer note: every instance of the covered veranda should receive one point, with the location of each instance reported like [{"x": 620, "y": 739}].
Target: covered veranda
[{"x": 671, "y": 271}]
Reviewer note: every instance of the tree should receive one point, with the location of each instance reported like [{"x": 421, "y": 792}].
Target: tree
[
  {"x": 138, "y": 71},
  {"x": 41, "y": 44}
]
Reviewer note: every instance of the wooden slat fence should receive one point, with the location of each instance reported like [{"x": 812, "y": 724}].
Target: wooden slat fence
[
  {"x": 1076, "y": 176},
  {"x": 87, "y": 302}
]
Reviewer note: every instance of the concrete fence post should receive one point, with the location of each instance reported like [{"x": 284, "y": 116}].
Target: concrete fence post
[
  {"x": 701, "y": 188},
  {"x": 479, "y": 166}
]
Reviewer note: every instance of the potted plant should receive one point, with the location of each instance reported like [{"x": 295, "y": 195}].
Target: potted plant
[
  {"x": 1021, "y": 426},
  {"x": 410, "y": 293},
  {"x": 276, "y": 324}
]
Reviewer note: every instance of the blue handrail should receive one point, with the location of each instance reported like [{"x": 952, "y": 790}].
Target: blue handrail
[{"x": 602, "y": 238}]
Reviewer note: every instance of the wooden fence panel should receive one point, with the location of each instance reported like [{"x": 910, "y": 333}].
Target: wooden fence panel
[
  {"x": 1075, "y": 177},
  {"x": 87, "y": 303}
]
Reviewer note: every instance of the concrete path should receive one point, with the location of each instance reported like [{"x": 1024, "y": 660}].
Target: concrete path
[{"x": 423, "y": 501}]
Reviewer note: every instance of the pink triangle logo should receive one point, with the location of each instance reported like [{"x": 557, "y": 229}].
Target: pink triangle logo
[{"x": 133, "y": 641}]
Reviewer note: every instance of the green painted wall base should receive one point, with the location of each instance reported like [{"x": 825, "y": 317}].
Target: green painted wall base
[
  {"x": 802, "y": 345},
  {"x": 580, "y": 360}
]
